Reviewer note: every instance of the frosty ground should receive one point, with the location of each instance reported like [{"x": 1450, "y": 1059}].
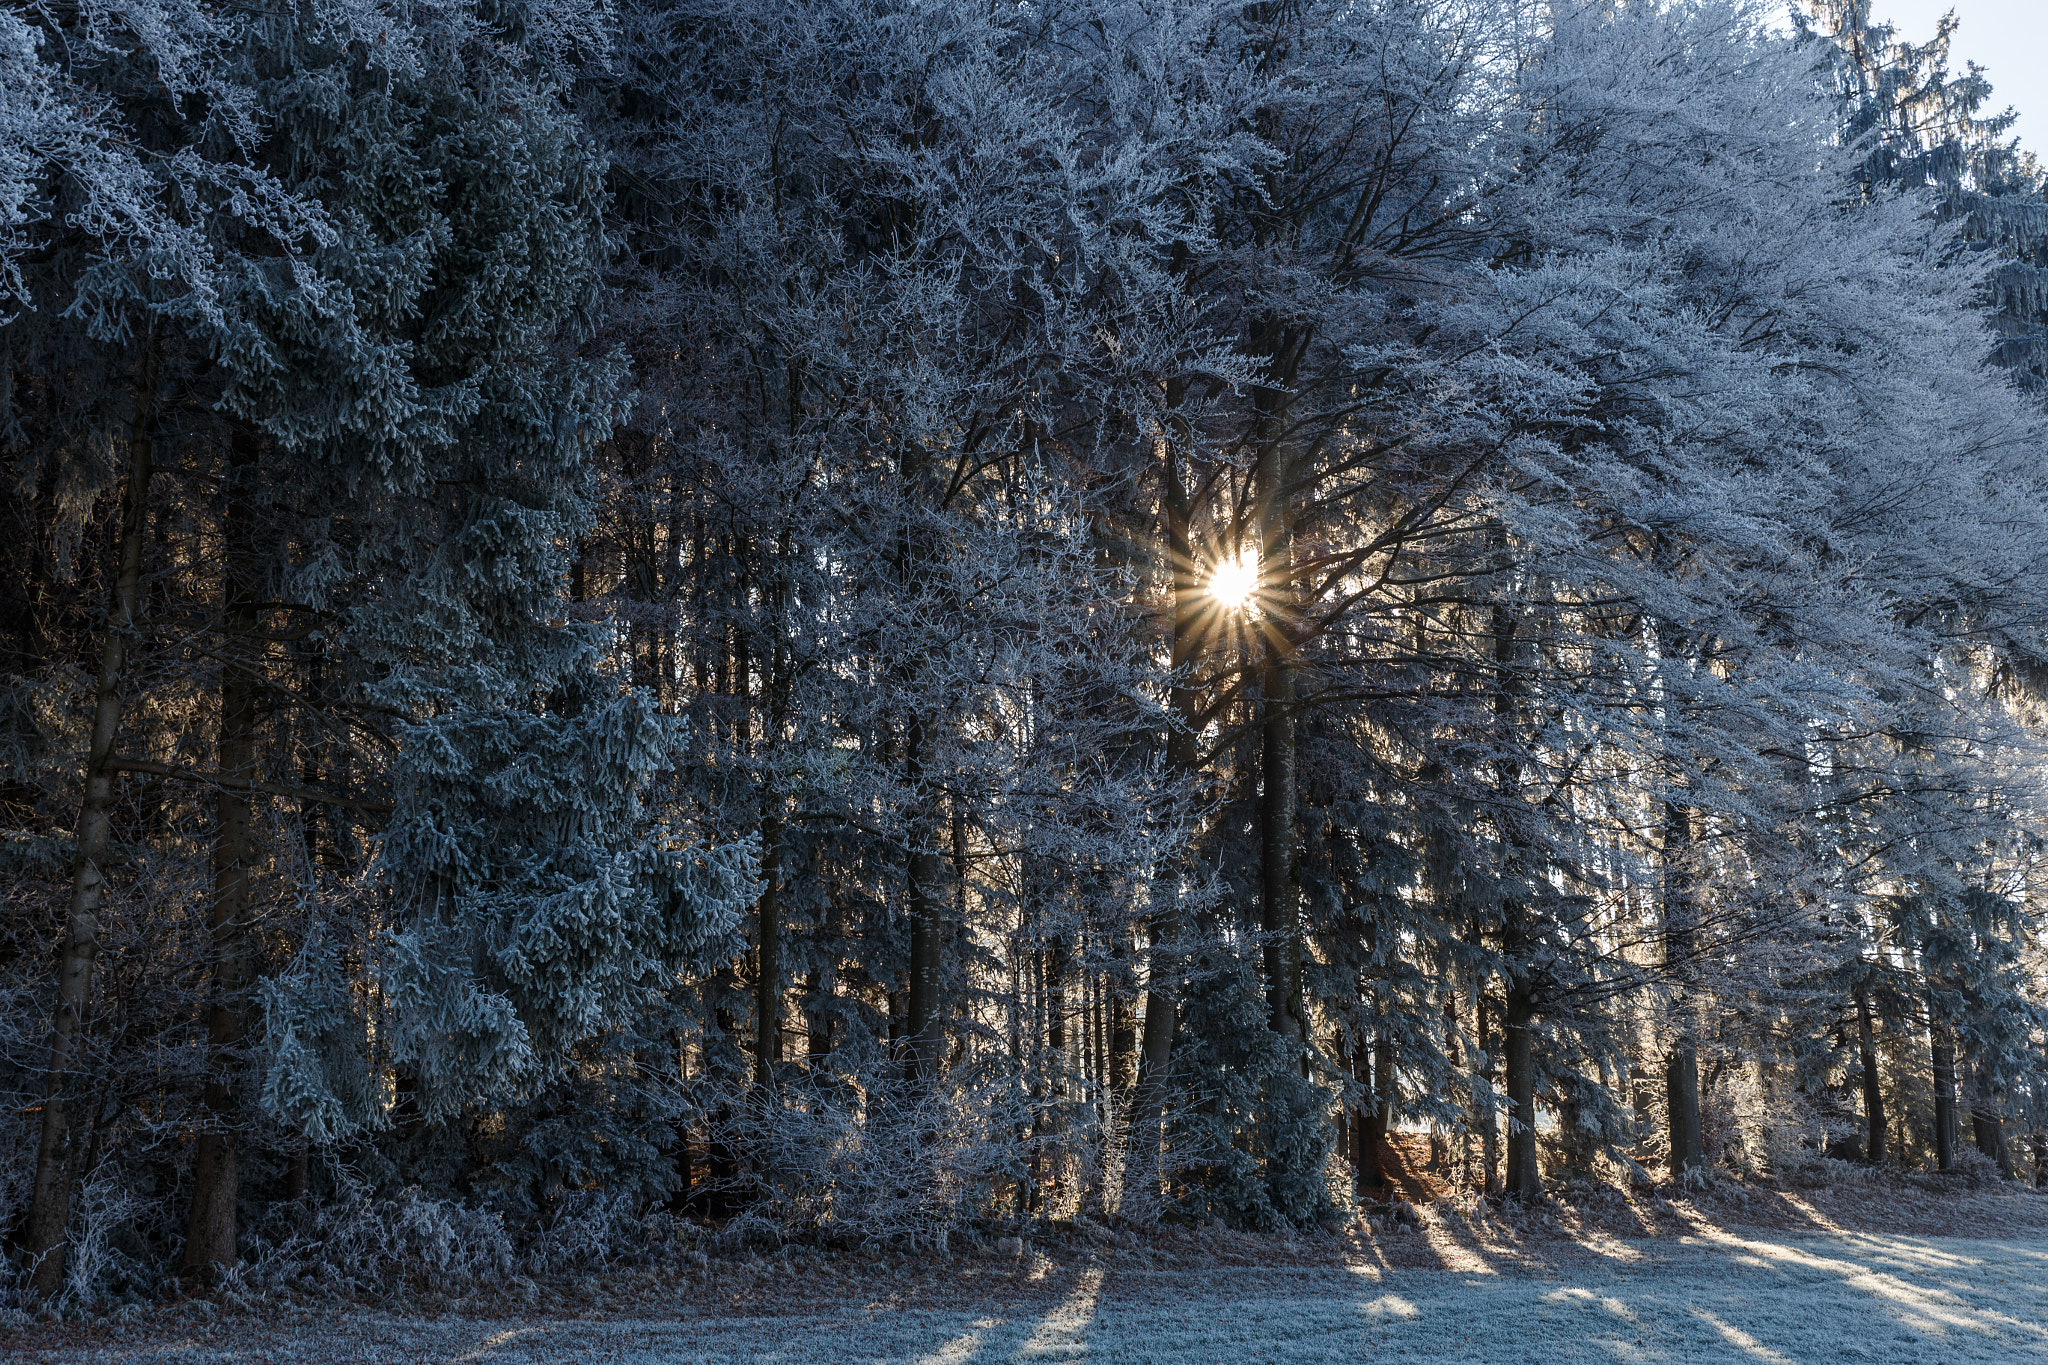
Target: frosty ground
[{"x": 1761, "y": 1277}]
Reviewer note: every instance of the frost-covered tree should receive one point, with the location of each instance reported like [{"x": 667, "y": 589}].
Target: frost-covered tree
[
  {"x": 1943, "y": 798},
  {"x": 124, "y": 216},
  {"x": 1641, "y": 559},
  {"x": 874, "y": 483},
  {"x": 882, "y": 616},
  {"x": 1916, "y": 126},
  {"x": 398, "y": 420},
  {"x": 538, "y": 908}
]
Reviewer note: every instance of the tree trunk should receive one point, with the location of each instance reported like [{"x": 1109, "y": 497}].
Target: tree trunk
[
  {"x": 1052, "y": 1155},
  {"x": 1873, "y": 1095},
  {"x": 1162, "y": 927},
  {"x": 210, "y": 1238},
  {"x": 923, "y": 1024},
  {"x": 1372, "y": 1069},
  {"x": 1351, "y": 1117},
  {"x": 1098, "y": 1024},
  {"x": 1279, "y": 863},
  {"x": 1524, "y": 1179},
  {"x": 818, "y": 1023},
  {"x": 1524, "y": 1176},
  {"x": 1987, "y": 1126},
  {"x": 1681, "y": 1064},
  {"x": 1056, "y": 1040},
  {"x": 1368, "y": 1123},
  {"x": 1155, "y": 1065},
  {"x": 1123, "y": 1025},
  {"x": 958, "y": 861},
  {"x": 1486, "y": 1113},
  {"x": 768, "y": 987},
  {"x": 1279, "y": 856},
  {"x": 1682, "y": 1099},
  {"x": 768, "y": 957},
  {"x": 740, "y": 654},
  {"x": 1385, "y": 1097},
  {"x": 50, "y": 1202},
  {"x": 1454, "y": 1054},
  {"x": 1944, "y": 1101}
]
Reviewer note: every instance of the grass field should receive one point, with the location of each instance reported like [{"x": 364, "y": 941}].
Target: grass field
[{"x": 1765, "y": 1298}]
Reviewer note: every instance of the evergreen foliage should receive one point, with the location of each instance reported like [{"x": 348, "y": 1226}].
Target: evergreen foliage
[{"x": 855, "y": 618}]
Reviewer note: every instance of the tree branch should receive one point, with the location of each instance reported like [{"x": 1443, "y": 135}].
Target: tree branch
[{"x": 152, "y": 768}]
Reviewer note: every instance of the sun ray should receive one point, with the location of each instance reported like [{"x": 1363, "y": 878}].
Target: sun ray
[{"x": 1234, "y": 582}]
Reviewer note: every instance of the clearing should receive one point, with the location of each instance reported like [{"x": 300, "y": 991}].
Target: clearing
[{"x": 1798, "y": 1281}]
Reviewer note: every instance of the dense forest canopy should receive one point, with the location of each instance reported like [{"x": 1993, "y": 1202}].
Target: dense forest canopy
[{"x": 863, "y": 616}]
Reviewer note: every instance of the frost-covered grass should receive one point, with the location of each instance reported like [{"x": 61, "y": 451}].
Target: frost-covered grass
[{"x": 1763, "y": 1298}]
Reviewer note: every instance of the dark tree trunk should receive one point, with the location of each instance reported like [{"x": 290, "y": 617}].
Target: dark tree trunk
[
  {"x": 1368, "y": 1125},
  {"x": 741, "y": 651},
  {"x": 923, "y": 1025},
  {"x": 1944, "y": 1101},
  {"x": 1123, "y": 1027},
  {"x": 817, "y": 1023},
  {"x": 775, "y": 691},
  {"x": 1487, "y": 1118},
  {"x": 50, "y": 1199},
  {"x": 1347, "y": 1114},
  {"x": 1524, "y": 1178},
  {"x": 1681, "y": 1064},
  {"x": 1385, "y": 1095},
  {"x": 719, "y": 1195},
  {"x": 1987, "y": 1126},
  {"x": 768, "y": 956},
  {"x": 1162, "y": 1010},
  {"x": 210, "y": 1237},
  {"x": 1273, "y": 493},
  {"x": 1873, "y": 1094},
  {"x": 1155, "y": 1062},
  {"x": 1098, "y": 1026},
  {"x": 672, "y": 592},
  {"x": 1279, "y": 854},
  {"x": 1279, "y": 862},
  {"x": 1682, "y": 1099},
  {"x": 1050, "y": 1162},
  {"x": 1056, "y": 1018}
]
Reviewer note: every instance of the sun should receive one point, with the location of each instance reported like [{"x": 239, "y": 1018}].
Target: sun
[{"x": 1234, "y": 582}]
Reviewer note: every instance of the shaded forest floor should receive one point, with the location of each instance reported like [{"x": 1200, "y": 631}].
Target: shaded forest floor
[{"x": 1881, "y": 1270}]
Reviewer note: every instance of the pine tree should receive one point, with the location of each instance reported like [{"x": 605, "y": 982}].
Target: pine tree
[
  {"x": 880, "y": 618},
  {"x": 538, "y": 909},
  {"x": 119, "y": 212}
]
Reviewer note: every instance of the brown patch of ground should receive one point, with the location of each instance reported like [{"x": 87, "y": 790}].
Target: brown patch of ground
[{"x": 1408, "y": 1163}]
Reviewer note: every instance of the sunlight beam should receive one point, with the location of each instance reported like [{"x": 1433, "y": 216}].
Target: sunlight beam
[{"x": 1234, "y": 582}]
